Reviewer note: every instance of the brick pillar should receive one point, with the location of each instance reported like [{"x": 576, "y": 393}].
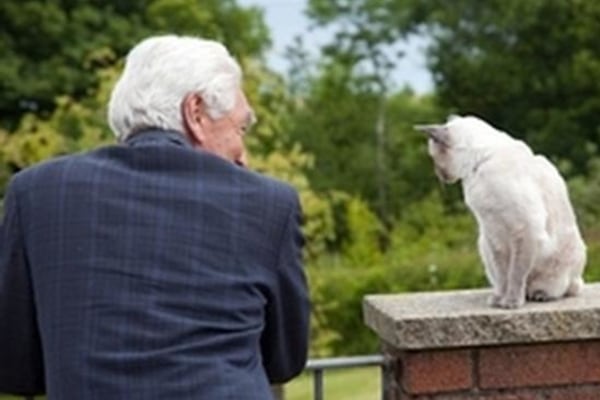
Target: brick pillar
[{"x": 452, "y": 346}]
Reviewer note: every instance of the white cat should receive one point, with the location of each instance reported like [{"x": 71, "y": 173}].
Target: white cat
[{"x": 529, "y": 241}]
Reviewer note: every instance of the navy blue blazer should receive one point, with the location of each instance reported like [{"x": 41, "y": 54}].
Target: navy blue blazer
[{"x": 150, "y": 270}]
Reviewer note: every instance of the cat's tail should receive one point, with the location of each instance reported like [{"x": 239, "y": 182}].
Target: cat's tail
[{"x": 575, "y": 286}]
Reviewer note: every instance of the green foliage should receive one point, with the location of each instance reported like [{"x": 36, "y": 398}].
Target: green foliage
[
  {"x": 361, "y": 245},
  {"x": 409, "y": 172},
  {"x": 337, "y": 121},
  {"x": 431, "y": 249},
  {"x": 585, "y": 192},
  {"x": 592, "y": 239},
  {"x": 72, "y": 127},
  {"x": 530, "y": 67},
  {"x": 337, "y": 278},
  {"x": 48, "y": 47}
]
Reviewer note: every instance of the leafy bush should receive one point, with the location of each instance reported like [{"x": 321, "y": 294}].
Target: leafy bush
[{"x": 430, "y": 249}]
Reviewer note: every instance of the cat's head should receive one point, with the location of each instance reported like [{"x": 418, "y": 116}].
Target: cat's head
[{"x": 453, "y": 145}]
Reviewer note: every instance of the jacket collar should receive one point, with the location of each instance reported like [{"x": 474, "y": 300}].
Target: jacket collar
[{"x": 158, "y": 136}]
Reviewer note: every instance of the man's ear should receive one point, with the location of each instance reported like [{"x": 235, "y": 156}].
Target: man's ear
[
  {"x": 436, "y": 132},
  {"x": 192, "y": 110}
]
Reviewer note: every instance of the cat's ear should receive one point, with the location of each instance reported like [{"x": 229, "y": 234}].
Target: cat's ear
[{"x": 436, "y": 132}]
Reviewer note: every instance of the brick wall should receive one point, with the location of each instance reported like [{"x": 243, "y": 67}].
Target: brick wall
[
  {"x": 533, "y": 371},
  {"x": 453, "y": 346}
]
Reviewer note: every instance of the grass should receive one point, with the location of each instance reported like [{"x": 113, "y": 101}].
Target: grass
[{"x": 343, "y": 384}]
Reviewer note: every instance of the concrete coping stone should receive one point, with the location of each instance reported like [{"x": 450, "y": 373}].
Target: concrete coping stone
[{"x": 451, "y": 319}]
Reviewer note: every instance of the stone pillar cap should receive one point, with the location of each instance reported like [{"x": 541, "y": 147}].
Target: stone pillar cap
[{"x": 433, "y": 320}]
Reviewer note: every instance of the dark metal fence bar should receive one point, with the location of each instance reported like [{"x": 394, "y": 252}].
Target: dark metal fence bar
[{"x": 318, "y": 366}]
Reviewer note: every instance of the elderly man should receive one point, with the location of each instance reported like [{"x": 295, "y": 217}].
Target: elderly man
[{"x": 161, "y": 267}]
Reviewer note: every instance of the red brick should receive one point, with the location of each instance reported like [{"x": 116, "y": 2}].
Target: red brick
[
  {"x": 575, "y": 393},
  {"x": 513, "y": 396},
  {"x": 436, "y": 371},
  {"x": 578, "y": 392},
  {"x": 530, "y": 395},
  {"x": 539, "y": 365}
]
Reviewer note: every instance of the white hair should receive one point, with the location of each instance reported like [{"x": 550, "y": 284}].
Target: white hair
[{"x": 160, "y": 71}]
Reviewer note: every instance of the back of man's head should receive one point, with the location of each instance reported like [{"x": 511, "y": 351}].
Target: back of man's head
[{"x": 160, "y": 71}]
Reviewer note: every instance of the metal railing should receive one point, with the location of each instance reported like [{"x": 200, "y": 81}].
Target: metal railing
[{"x": 318, "y": 367}]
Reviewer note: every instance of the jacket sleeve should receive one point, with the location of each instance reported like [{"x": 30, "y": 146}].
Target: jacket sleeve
[
  {"x": 21, "y": 366},
  {"x": 284, "y": 342}
]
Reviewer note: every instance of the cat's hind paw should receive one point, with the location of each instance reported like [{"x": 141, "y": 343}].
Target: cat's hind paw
[{"x": 539, "y": 295}]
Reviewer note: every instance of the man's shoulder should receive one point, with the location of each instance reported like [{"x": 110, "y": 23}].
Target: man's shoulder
[
  {"x": 274, "y": 186},
  {"x": 46, "y": 170},
  {"x": 32, "y": 173}
]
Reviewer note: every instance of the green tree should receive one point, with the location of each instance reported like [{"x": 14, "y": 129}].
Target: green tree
[
  {"x": 49, "y": 48},
  {"x": 338, "y": 121},
  {"x": 530, "y": 67},
  {"x": 335, "y": 123},
  {"x": 431, "y": 248}
]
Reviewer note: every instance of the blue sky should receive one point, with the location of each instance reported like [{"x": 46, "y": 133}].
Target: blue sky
[{"x": 286, "y": 20}]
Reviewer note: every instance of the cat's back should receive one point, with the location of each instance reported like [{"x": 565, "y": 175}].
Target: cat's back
[
  {"x": 554, "y": 191},
  {"x": 536, "y": 185},
  {"x": 512, "y": 177},
  {"x": 547, "y": 173}
]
